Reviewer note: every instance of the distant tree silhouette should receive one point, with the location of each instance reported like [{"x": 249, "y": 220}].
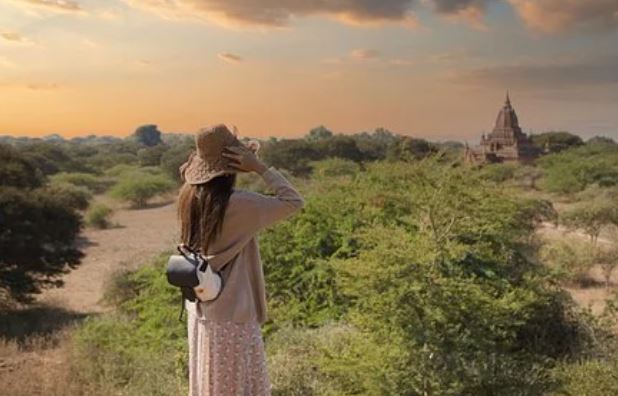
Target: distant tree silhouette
[
  {"x": 148, "y": 135},
  {"x": 319, "y": 133}
]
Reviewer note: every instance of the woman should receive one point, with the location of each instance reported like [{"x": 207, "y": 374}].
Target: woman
[{"x": 226, "y": 350}]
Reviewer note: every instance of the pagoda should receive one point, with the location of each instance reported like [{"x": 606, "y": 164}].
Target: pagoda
[{"x": 506, "y": 142}]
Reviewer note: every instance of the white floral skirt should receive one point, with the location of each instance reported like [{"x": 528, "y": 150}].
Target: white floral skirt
[{"x": 226, "y": 358}]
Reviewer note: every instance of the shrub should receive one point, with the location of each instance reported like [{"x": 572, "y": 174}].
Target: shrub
[
  {"x": 139, "y": 188},
  {"x": 73, "y": 196},
  {"x": 98, "y": 216},
  {"x": 94, "y": 183}
]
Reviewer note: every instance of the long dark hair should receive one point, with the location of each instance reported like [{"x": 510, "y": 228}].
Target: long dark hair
[{"x": 201, "y": 208}]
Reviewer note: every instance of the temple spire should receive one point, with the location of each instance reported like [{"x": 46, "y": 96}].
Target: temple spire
[{"x": 508, "y": 99}]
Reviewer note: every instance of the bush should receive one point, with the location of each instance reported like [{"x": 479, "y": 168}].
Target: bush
[
  {"x": 73, "y": 196},
  {"x": 138, "y": 189},
  {"x": 141, "y": 348},
  {"x": 98, "y": 216},
  {"x": 570, "y": 259},
  {"x": 94, "y": 183}
]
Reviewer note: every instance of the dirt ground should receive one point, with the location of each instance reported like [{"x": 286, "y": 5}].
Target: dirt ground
[{"x": 138, "y": 236}]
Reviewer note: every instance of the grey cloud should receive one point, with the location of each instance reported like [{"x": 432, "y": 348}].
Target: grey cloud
[
  {"x": 558, "y": 76},
  {"x": 456, "y": 6},
  {"x": 279, "y": 13}
]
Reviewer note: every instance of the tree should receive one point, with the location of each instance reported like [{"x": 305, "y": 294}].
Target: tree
[
  {"x": 16, "y": 171},
  {"x": 318, "y": 133},
  {"x": 148, "y": 135},
  {"x": 151, "y": 156},
  {"x": 556, "y": 141}
]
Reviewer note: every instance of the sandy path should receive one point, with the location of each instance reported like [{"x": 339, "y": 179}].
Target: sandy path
[{"x": 140, "y": 235}]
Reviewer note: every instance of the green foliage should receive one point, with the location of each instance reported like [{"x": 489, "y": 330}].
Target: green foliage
[
  {"x": 591, "y": 216},
  {"x": 17, "y": 171},
  {"x": 141, "y": 348},
  {"x": 590, "y": 377},
  {"x": 98, "y": 216},
  {"x": 556, "y": 141},
  {"x": 37, "y": 234},
  {"x": 139, "y": 187},
  {"x": 405, "y": 278},
  {"x": 176, "y": 156},
  {"x": 500, "y": 173},
  {"x": 72, "y": 196},
  {"x": 573, "y": 170},
  {"x": 151, "y": 156},
  {"x": 334, "y": 167},
  {"x": 570, "y": 259},
  {"x": 95, "y": 184}
]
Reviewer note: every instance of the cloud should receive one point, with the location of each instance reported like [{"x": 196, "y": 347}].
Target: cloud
[
  {"x": 229, "y": 58},
  {"x": 554, "y": 16},
  {"x": 364, "y": 54},
  {"x": 544, "y": 76},
  {"x": 472, "y": 11},
  {"x": 52, "y": 5},
  {"x": 15, "y": 38},
  {"x": 43, "y": 86},
  {"x": 277, "y": 13}
]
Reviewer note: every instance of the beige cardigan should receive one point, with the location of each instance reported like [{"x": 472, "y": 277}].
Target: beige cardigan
[{"x": 243, "y": 297}]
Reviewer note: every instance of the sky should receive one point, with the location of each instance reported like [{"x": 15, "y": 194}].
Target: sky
[{"x": 436, "y": 69}]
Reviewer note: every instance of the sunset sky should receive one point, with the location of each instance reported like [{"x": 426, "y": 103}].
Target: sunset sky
[{"x": 437, "y": 69}]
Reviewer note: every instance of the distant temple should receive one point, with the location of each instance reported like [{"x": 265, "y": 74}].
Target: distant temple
[{"x": 505, "y": 143}]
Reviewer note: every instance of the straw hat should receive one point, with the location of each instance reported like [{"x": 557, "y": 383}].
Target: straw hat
[{"x": 206, "y": 162}]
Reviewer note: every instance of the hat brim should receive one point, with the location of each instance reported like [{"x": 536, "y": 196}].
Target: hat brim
[{"x": 195, "y": 171}]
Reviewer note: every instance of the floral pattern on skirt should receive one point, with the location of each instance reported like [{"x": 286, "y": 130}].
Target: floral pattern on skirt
[{"x": 226, "y": 358}]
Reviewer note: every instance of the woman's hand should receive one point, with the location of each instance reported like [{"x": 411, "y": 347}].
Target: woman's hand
[{"x": 243, "y": 159}]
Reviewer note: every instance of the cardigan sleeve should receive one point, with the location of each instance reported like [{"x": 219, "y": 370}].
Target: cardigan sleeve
[{"x": 270, "y": 209}]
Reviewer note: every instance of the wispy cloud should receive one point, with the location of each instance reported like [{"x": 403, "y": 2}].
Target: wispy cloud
[
  {"x": 52, "y": 5},
  {"x": 364, "y": 54},
  {"x": 43, "y": 86},
  {"x": 229, "y": 57},
  {"x": 15, "y": 38}
]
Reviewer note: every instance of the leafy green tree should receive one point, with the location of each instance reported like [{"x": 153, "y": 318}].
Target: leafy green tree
[
  {"x": 173, "y": 158},
  {"x": 592, "y": 217},
  {"x": 38, "y": 227},
  {"x": 151, "y": 156}
]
